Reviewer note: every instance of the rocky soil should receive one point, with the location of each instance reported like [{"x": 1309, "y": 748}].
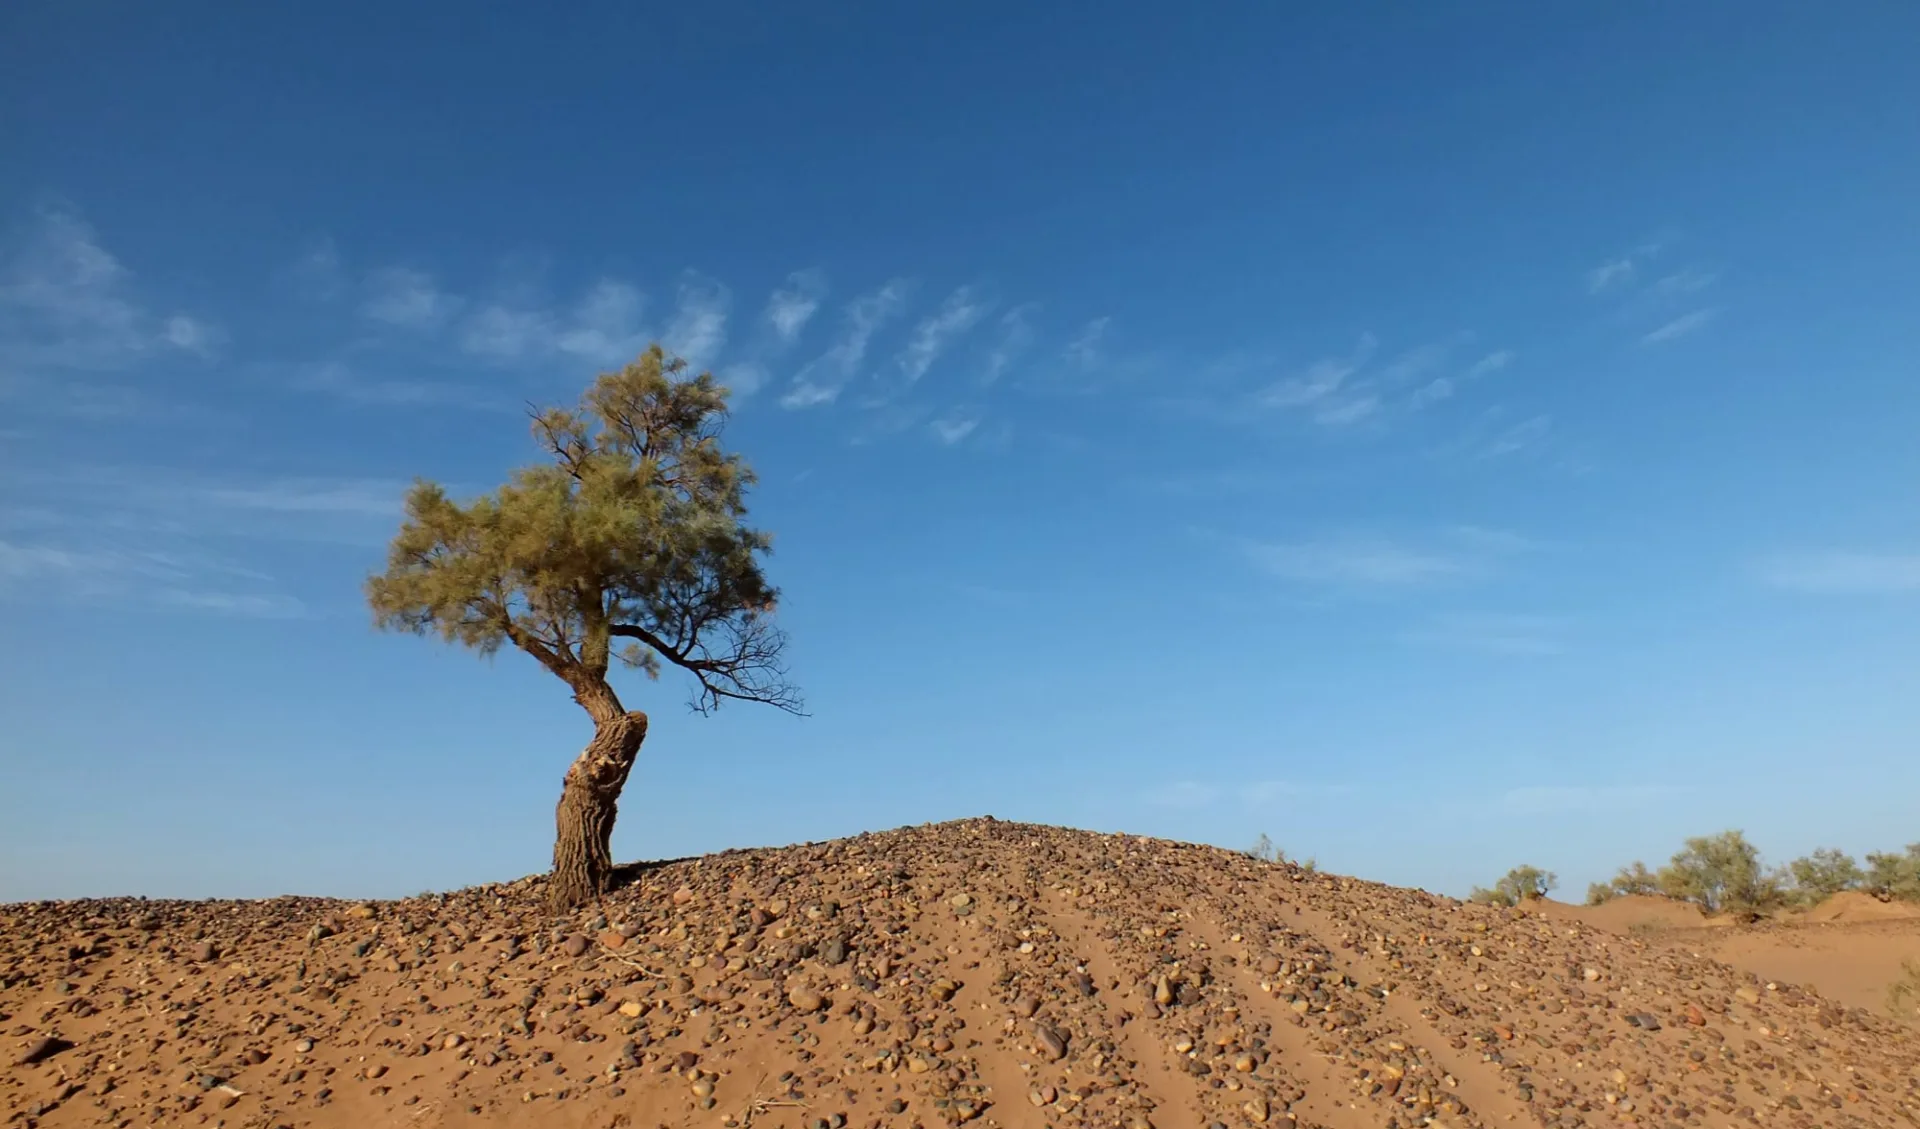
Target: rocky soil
[{"x": 981, "y": 971}]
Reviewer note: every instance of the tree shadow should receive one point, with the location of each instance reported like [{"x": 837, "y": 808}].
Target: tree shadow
[{"x": 627, "y": 873}]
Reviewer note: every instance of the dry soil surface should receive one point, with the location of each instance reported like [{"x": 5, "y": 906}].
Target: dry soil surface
[
  {"x": 986, "y": 972},
  {"x": 1850, "y": 948}
]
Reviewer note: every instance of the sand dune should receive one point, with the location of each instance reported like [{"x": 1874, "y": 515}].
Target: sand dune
[{"x": 974, "y": 972}]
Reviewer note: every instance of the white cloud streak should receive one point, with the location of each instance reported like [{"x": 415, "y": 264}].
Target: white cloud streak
[
  {"x": 1842, "y": 572},
  {"x": 822, "y": 380},
  {"x": 407, "y": 298},
  {"x": 937, "y": 331},
  {"x": 793, "y": 305},
  {"x": 67, "y": 303},
  {"x": 1679, "y": 327}
]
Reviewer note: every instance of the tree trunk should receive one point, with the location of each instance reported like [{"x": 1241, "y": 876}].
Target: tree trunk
[{"x": 589, "y": 801}]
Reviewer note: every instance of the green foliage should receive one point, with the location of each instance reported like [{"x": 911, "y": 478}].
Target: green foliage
[
  {"x": 1522, "y": 883},
  {"x": 1821, "y": 875},
  {"x": 1903, "y": 995},
  {"x": 1599, "y": 893},
  {"x": 1894, "y": 875},
  {"x": 626, "y": 543},
  {"x": 1635, "y": 879},
  {"x": 1721, "y": 874}
]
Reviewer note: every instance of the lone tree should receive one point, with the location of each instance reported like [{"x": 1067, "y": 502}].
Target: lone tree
[{"x": 626, "y": 543}]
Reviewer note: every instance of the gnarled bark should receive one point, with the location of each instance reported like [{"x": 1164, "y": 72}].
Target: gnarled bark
[{"x": 589, "y": 801}]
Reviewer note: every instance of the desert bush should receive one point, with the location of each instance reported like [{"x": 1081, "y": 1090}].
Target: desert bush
[
  {"x": 1903, "y": 995},
  {"x": 1263, "y": 850},
  {"x": 1820, "y": 876},
  {"x": 1522, "y": 883},
  {"x": 1894, "y": 875},
  {"x": 1599, "y": 893},
  {"x": 1635, "y": 879},
  {"x": 1721, "y": 874}
]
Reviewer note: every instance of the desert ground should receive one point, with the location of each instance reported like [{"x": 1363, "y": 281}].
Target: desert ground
[{"x": 977, "y": 971}]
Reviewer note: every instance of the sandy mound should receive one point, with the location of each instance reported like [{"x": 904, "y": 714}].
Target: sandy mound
[
  {"x": 985, "y": 972},
  {"x": 1631, "y": 912},
  {"x": 1851, "y": 906}
]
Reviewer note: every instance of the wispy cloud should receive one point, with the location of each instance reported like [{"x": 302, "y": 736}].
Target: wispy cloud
[
  {"x": 822, "y": 380},
  {"x": 51, "y": 571},
  {"x": 1083, "y": 352},
  {"x": 408, "y": 298},
  {"x": 699, "y": 327},
  {"x": 1015, "y": 337},
  {"x": 1491, "y": 633},
  {"x": 954, "y": 428},
  {"x": 1360, "y": 561},
  {"x": 1679, "y": 327},
  {"x": 1621, "y": 270},
  {"x": 938, "y": 330},
  {"x": 1690, "y": 280},
  {"x": 68, "y": 303},
  {"x": 794, "y": 304},
  {"x": 1841, "y": 572},
  {"x": 1321, "y": 380},
  {"x": 1524, "y": 436}
]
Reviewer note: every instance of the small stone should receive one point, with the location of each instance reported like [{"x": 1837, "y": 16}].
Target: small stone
[
  {"x": 1244, "y": 1063},
  {"x": 1590, "y": 975},
  {"x": 835, "y": 951},
  {"x": 960, "y": 901},
  {"x": 613, "y": 939},
  {"x": 1270, "y": 965},
  {"x": 806, "y": 1000},
  {"x": 1162, "y": 992},
  {"x": 632, "y": 1009},
  {"x": 1258, "y": 1110},
  {"x": 1746, "y": 995},
  {"x": 1050, "y": 1042},
  {"x": 376, "y": 1070},
  {"x": 683, "y": 895},
  {"x": 1025, "y": 1006},
  {"x": 686, "y": 1060},
  {"x": 944, "y": 989},
  {"x": 362, "y": 912},
  {"x": 1695, "y": 1017},
  {"x": 451, "y": 1041},
  {"x": 575, "y": 945},
  {"x": 203, "y": 953},
  {"x": 702, "y": 1087}
]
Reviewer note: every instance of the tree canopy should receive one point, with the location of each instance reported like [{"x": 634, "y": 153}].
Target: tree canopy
[{"x": 628, "y": 543}]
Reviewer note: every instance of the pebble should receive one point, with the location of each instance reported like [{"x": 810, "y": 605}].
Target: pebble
[
  {"x": 576, "y": 945},
  {"x": 806, "y": 1000}
]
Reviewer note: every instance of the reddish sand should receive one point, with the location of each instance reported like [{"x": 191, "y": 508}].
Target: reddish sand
[{"x": 975, "y": 972}]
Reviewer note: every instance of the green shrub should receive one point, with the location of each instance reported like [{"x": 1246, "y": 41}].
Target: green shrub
[
  {"x": 1635, "y": 879},
  {"x": 1893, "y": 875},
  {"x": 1903, "y": 995},
  {"x": 1599, "y": 893},
  {"x": 1721, "y": 874},
  {"x": 1522, "y": 883},
  {"x": 1821, "y": 875}
]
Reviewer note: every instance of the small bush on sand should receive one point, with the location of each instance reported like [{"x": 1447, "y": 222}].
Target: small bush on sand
[
  {"x": 1903, "y": 995},
  {"x": 1599, "y": 893},
  {"x": 1263, "y": 850},
  {"x": 1721, "y": 874},
  {"x": 1821, "y": 875},
  {"x": 1894, "y": 875},
  {"x": 1635, "y": 879},
  {"x": 1521, "y": 884}
]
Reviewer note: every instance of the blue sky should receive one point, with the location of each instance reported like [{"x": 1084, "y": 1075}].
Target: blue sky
[{"x": 1437, "y": 439}]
